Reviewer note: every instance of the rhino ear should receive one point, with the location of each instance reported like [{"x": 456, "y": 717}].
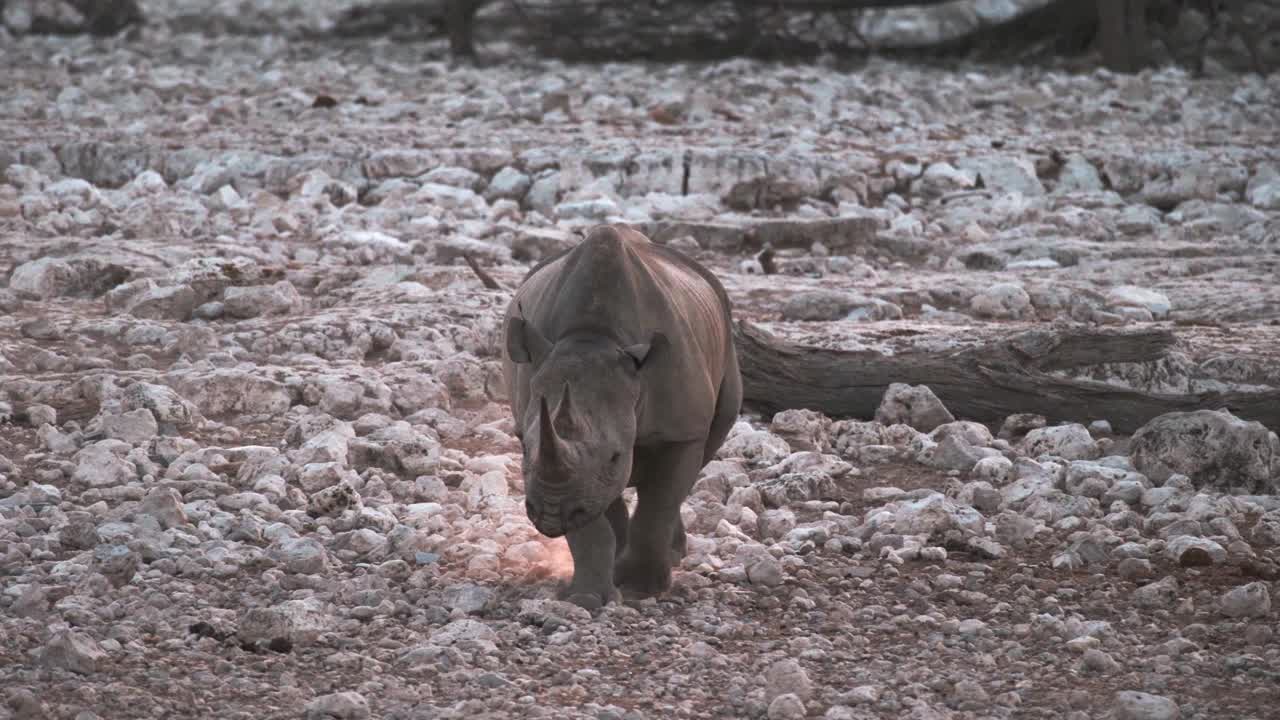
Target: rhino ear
[
  {"x": 524, "y": 343},
  {"x": 642, "y": 353}
]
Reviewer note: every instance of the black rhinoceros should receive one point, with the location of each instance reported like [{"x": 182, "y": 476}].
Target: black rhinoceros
[{"x": 622, "y": 372}]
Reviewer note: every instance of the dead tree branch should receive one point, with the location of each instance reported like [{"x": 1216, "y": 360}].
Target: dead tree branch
[
  {"x": 485, "y": 278},
  {"x": 984, "y": 383}
]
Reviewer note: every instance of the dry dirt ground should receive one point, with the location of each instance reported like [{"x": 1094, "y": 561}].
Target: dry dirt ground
[{"x": 255, "y": 453}]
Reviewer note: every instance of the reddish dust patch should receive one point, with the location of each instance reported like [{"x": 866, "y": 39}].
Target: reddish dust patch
[{"x": 559, "y": 561}]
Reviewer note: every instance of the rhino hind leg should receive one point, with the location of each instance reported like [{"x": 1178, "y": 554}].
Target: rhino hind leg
[
  {"x": 592, "y": 547},
  {"x": 618, "y": 520},
  {"x": 679, "y": 543},
  {"x": 728, "y": 407},
  {"x": 666, "y": 475}
]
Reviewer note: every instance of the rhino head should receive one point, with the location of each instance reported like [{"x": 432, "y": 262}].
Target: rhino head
[{"x": 579, "y": 426}]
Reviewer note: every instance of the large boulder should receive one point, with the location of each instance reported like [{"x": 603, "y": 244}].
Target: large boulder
[
  {"x": 297, "y": 621},
  {"x": 508, "y": 183},
  {"x": 1008, "y": 301},
  {"x": 1004, "y": 174},
  {"x": 74, "y": 651},
  {"x": 1070, "y": 442},
  {"x": 935, "y": 514},
  {"x": 1174, "y": 179},
  {"x": 171, "y": 302},
  {"x": 44, "y": 278},
  {"x": 1247, "y": 601},
  {"x": 168, "y": 407},
  {"x": 826, "y": 305},
  {"x": 1157, "y": 303},
  {"x": 1079, "y": 175},
  {"x": 913, "y": 405},
  {"x": 1213, "y": 447},
  {"x": 1133, "y": 705},
  {"x": 1264, "y": 188},
  {"x": 803, "y": 429},
  {"x": 250, "y": 302}
]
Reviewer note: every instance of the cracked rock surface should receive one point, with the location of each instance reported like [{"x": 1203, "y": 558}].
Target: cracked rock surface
[{"x": 256, "y": 459}]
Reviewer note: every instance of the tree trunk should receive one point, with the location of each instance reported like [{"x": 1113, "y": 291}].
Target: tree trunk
[
  {"x": 1122, "y": 34},
  {"x": 985, "y": 383},
  {"x": 461, "y": 16},
  {"x": 98, "y": 17},
  {"x": 411, "y": 18},
  {"x": 1067, "y": 27},
  {"x": 1111, "y": 40},
  {"x": 108, "y": 17}
]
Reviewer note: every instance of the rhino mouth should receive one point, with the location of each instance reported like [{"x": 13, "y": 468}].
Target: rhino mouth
[
  {"x": 552, "y": 533},
  {"x": 555, "y": 523}
]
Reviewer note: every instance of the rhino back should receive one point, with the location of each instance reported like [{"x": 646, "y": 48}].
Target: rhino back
[{"x": 622, "y": 286}]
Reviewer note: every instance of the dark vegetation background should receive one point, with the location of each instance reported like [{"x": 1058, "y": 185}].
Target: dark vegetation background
[{"x": 1124, "y": 35}]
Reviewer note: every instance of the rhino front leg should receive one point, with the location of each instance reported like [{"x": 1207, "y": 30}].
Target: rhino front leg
[
  {"x": 667, "y": 473},
  {"x": 592, "y": 547},
  {"x": 619, "y": 520}
]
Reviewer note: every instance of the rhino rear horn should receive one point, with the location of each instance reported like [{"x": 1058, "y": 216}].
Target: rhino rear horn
[
  {"x": 524, "y": 343},
  {"x": 547, "y": 440},
  {"x": 641, "y": 353},
  {"x": 564, "y": 422}
]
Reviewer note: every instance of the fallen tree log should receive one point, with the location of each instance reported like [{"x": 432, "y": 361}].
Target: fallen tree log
[
  {"x": 839, "y": 235},
  {"x": 985, "y": 383},
  {"x": 73, "y": 17},
  {"x": 397, "y": 17}
]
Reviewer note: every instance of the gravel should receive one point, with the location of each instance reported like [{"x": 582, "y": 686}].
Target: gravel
[{"x": 256, "y": 458}]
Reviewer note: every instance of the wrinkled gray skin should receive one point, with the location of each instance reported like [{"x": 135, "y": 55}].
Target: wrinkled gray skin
[{"x": 622, "y": 372}]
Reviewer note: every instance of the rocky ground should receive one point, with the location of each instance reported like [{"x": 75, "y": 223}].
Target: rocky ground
[{"x": 256, "y": 459}]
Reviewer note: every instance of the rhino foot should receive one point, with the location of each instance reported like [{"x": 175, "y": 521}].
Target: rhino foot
[
  {"x": 590, "y": 600},
  {"x": 639, "y": 577},
  {"x": 592, "y": 547}
]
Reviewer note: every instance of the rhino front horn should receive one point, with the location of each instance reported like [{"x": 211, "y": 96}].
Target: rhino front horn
[
  {"x": 564, "y": 424},
  {"x": 547, "y": 440}
]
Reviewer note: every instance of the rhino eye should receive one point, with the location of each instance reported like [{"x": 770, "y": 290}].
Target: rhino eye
[{"x": 613, "y": 459}]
